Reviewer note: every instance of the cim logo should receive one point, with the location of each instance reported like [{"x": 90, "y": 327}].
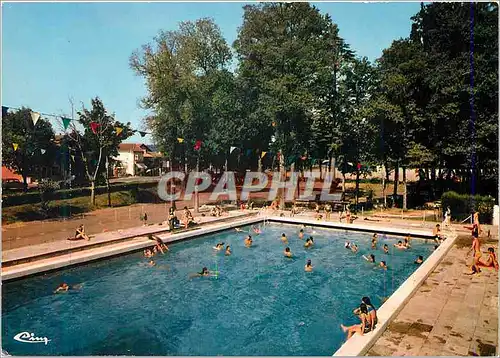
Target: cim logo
[{"x": 26, "y": 337}]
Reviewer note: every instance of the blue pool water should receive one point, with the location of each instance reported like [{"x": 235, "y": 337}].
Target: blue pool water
[{"x": 261, "y": 303}]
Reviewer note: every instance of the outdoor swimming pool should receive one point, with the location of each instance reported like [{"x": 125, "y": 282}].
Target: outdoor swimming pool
[{"x": 260, "y": 304}]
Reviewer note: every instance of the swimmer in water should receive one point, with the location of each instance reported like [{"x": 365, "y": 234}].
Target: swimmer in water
[
  {"x": 383, "y": 265},
  {"x": 309, "y": 242},
  {"x": 256, "y": 230},
  {"x": 248, "y": 241},
  {"x": 308, "y": 267},
  {"x": 407, "y": 242},
  {"x": 374, "y": 241},
  {"x": 419, "y": 260},
  {"x": 347, "y": 245},
  {"x": 370, "y": 258},
  {"x": 63, "y": 287},
  {"x": 287, "y": 252},
  {"x": 354, "y": 247},
  {"x": 301, "y": 234},
  {"x": 284, "y": 238},
  {"x": 204, "y": 272},
  {"x": 400, "y": 245},
  {"x": 238, "y": 229},
  {"x": 228, "y": 250},
  {"x": 152, "y": 263},
  {"x": 386, "y": 249},
  {"x": 219, "y": 246}
]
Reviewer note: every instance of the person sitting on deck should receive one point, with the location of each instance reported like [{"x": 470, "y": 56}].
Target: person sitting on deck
[
  {"x": 172, "y": 219},
  {"x": 372, "y": 312},
  {"x": 437, "y": 234},
  {"x": 328, "y": 211},
  {"x": 188, "y": 217},
  {"x": 362, "y": 328},
  {"x": 80, "y": 234},
  {"x": 492, "y": 260}
]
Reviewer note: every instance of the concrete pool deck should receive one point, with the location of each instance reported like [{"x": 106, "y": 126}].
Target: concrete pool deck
[{"x": 452, "y": 314}]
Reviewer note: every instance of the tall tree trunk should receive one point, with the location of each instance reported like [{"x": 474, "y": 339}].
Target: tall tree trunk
[
  {"x": 282, "y": 177},
  {"x": 25, "y": 181},
  {"x": 343, "y": 183},
  {"x": 357, "y": 187},
  {"x": 320, "y": 171},
  {"x": 396, "y": 182},
  {"x": 92, "y": 192},
  {"x": 404, "y": 189},
  {"x": 433, "y": 182}
]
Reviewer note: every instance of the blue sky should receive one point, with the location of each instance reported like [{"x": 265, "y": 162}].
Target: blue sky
[{"x": 51, "y": 51}]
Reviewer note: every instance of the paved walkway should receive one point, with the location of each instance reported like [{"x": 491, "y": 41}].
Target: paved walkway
[
  {"x": 452, "y": 314},
  {"x": 31, "y": 251}
]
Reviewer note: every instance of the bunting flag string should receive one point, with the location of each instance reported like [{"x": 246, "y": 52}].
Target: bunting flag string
[
  {"x": 197, "y": 145},
  {"x": 66, "y": 122},
  {"x": 142, "y": 134},
  {"x": 118, "y": 130},
  {"x": 94, "y": 126},
  {"x": 231, "y": 149},
  {"x": 263, "y": 154},
  {"x": 180, "y": 140},
  {"x": 35, "y": 116},
  {"x": 42, "y": 151},
  {"x": 15, "y": 145}
]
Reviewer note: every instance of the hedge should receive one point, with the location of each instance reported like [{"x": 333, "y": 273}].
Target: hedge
[
  {"x": 34, "y": 197},
  {"x": 463, "y": 205}
]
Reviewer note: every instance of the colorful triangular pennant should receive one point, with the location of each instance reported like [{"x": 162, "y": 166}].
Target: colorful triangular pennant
[
  {"x": 197, "y": 145},
  {"x": 118, "y": 130},
  {"x": 35, "y": 116},
  {"x": 231, "y": 149},
  {"x": 15, "y": 145},
  {"x": 263, "y": 154},
  {"x": 42, "y": 151},
  {"x": 94, "y": 126},
  {"x": 180, "y": 140},
  {"x": 66, "y": 122}
]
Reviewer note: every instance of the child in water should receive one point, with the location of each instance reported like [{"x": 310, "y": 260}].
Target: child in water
[
  {"x": 308, "y": 267},
  {"x": 287, "y": 252},
  {"x": 248, "y": 241},
  {"x": 228, "y": 250},
  {"x": 386, "y": 249},
  {"x": 419, "y": 260},
  {"x": 370, "y": 258},
  {"x": 309, "y": 242}
]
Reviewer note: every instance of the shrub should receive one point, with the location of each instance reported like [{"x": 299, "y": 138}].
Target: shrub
[{"x": 463, "y": 205}]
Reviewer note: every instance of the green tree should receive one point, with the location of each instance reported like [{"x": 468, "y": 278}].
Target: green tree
[
  {"x": 97, "y": 148},
  {"x": 27, "y": 160}
]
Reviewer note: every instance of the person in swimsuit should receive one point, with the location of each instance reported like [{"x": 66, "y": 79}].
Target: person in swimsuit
[
  {"x": 476, "y": 248},
  {"x": 80, "y": 234},
  {"x": 152, "y": 263},
  {"x": 370, "y": 258},
  {"x": 407, "y": 243},
  {"x": 308, "y": 267},
  {"x": 492, "y": 260},
  {"x": 362, "y": 328},
  {"x": 287, "y": 252},
  {"x": 347, "y": 245},
  {"x": 256, "y": 230},
  {"x": 219, "y": 246},
  {"x": 309, "y": 242},
  {"x": 248, "y": 241},
  {"x": 437, "y": 234},
  {"x": 63, "y": 287},
  {"x": 328, "y": 211},
  {"x": 348, "y": 216},
  {"x": 354, "y": 247},
  {"x": 386, "y": 249},
  {"x": 160, "y": 246},
  {"x": 228, "y": 250},
  {"x": 301, "y": 234},
  {"x": 284, "y": 238},
  {"x": 419, "y": 260},
  {"x": 476, "y": 223},
  {"x": 372, "y": 311},
  {"x": 383, "y": 265},
  {"x": 374, "y": 241},
  {"x": 172, "y": 219},
  {"x": 400, "y": 245}
]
